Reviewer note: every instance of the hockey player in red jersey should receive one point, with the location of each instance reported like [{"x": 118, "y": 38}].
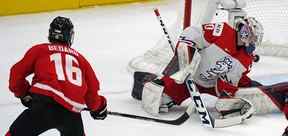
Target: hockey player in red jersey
[{"x": 63, "y": 84}]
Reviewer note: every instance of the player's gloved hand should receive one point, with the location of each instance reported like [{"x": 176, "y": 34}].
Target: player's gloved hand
[
  {"x": 256, "y": 58},
  {"x": 225, "y": 89},
  {"x": 26, "y": 100},
  {"x": 100, "y": 114}
]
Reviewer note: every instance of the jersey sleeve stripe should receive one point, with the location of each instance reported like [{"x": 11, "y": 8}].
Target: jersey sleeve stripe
[
  {"x": 77, "y": 107},
  {"x": 183, "y": 39}
]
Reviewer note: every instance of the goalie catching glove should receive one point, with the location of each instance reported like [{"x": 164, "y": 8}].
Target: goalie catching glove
[
  {"x": 229, "y": 107},
  {"x": 232, "y": 107}
]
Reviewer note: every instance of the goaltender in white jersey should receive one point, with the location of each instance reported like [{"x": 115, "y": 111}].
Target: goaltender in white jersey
[{"x": 217, "y": 57}]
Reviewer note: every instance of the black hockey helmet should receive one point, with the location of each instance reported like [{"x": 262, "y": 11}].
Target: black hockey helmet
[{"x": 61, "y": 30}]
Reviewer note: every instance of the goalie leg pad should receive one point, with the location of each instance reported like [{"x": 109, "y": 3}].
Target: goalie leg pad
[
  {"x": 262, "y": 102},
  {"x": 166, "y": 103},
  {"x": 140, "y": 78},
  {"x": 152, "y": 97},
  {"x": 278, "y": 93}
]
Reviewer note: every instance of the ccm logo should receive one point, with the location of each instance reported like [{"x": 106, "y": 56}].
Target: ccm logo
[{"x": 204, "y": 115}]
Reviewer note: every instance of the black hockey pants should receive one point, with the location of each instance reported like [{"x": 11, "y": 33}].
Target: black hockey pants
[{"x": 45, "y": 114}]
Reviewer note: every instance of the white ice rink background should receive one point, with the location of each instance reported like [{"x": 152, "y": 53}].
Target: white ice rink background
[{"x": 109, "y": 37}]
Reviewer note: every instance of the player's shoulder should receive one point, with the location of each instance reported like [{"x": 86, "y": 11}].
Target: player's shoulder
[
  {"x": 245, "y": 58},
  {"x": 192, "y": 30},
  {"x": 191, "y": 33},
  {"x": 38, "y": 47},
  {"x": 216, "y": 29},
  {"x": 209, "y": 30},
  {"x": 79, "y": 54}
]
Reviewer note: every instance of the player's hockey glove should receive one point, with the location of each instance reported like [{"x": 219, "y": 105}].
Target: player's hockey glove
[
  {"x": 26, "y": 100},
  {"x": 226, "y": 90},
  {"x": 256, "y": 58},
  {"x": 100, "y": 114}
]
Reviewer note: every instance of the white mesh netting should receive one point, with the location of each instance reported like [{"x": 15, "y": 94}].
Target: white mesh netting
[{"x": 273, "y": 14}]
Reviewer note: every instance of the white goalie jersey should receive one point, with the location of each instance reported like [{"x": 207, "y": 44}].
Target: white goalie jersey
[{"x": 220, "y": 57}]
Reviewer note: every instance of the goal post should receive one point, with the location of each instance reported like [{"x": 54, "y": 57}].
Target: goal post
[{"x": 187, "y": 13}]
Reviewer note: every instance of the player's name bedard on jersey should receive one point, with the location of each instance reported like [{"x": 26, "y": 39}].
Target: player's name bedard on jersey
[{"x": 62, "y": 49}]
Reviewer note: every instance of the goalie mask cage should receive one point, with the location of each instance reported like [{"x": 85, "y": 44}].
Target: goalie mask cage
[{"x": 273, "y": 14}]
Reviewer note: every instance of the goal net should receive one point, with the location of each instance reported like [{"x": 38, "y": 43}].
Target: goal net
[{"x": 273, "y": 14}]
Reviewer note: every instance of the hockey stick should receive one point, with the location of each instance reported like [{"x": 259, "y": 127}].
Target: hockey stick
[
  {"x": 169, "y": 70},
  {"x": 205, "y": 116},
  {"x": 164, "y": 28},
  {"x": 178, "y": 121},
  {"x": 173, "y": 64}
]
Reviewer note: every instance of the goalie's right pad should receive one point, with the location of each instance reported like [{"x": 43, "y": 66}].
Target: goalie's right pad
[
  {"x": 262, "y": 100},
  {"x": 154, "y": 100},
  {"x": 140, "y": 78},
  {"x": 151, "y": 97}
]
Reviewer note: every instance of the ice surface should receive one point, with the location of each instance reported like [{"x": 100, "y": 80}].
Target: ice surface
[{"x": 110, "y": 36}]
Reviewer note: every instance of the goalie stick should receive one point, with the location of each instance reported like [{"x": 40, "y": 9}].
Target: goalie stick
[
  {"x": 141, "y": 77},
  {"x": 173, "y": 65},
  {"x": 157, "y": 13},
  {"x": 178, "y": 121},
  {"x": 145, "y": 77},
  {"x": 205, "y": 116}
]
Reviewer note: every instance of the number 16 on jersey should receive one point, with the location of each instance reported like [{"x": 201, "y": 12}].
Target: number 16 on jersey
[{"x": 73, "y": 74}]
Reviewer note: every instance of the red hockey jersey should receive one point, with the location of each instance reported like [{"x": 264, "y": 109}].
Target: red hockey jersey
[{"x": 61, "y": 73}]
